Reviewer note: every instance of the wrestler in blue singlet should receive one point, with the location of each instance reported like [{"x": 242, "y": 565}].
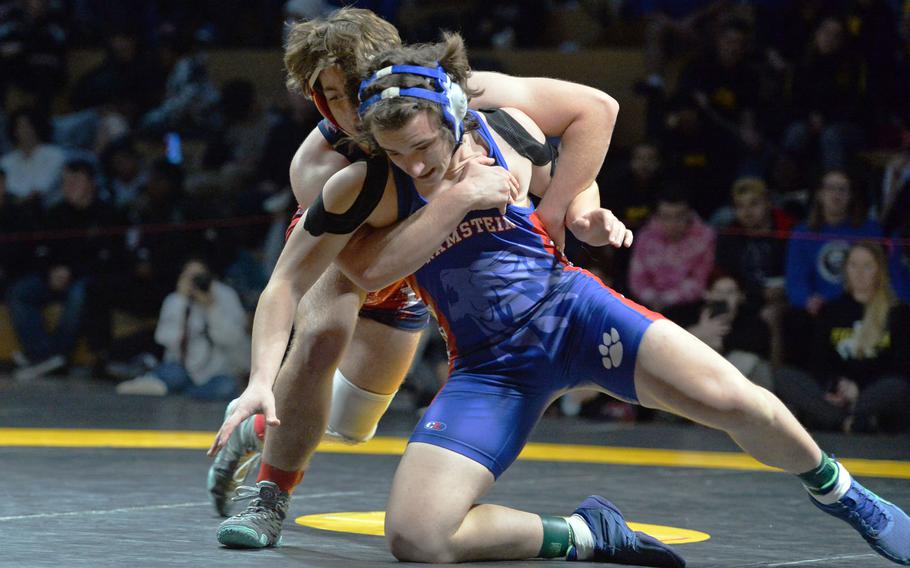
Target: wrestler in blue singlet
[{"x": 522, "y": 327}]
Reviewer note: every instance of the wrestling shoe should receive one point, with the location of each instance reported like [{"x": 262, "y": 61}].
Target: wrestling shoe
[
  {"x": 259, "y": 525},
  {"x": 239, "y": 455},
  {"x": 615, "y": 542},
  {"x": 884, "y": 525}
]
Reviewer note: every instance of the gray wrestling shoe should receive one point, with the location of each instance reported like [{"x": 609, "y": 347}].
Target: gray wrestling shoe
[
  {"x": 230, "y": 467},
  {"x": 260, "y": 524}
]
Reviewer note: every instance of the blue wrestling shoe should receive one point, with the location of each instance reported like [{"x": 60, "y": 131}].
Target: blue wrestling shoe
[
  {"x": 884, "y": 525},
  {"x": 615, "y": 542}
]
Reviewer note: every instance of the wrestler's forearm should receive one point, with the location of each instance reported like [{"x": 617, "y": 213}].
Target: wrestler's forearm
[
  {"x": 301, "y": 263},
  {"x": 376, "y": 258},
  {"x": 586, "y": 201},
  {"x": 594, "y": 225},
  {"x": 272, "y": 325}
]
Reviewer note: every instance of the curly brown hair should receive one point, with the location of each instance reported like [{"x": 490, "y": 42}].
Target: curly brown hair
[
  {"x": 348, "y": 37},
  {"x": 392, "y": 114}
]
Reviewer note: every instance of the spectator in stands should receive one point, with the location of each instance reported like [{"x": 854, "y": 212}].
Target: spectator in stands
[
  {"x": 828, "y": 96},
  {"x": 899, "y": 262},
  {"x": 203, "y": 329},
  {"x": 14, "y": 219},
  {"x": 124, "y": 74},
  {"x": 818, "y": 248},
  {"x": 295, "y": 121},
  {"x": 630, "y": 191},
  {"x": 893, "y": 197},
  {"x": 729, "y": 326},
  {"x": 156, "y": 237},
  {"x": 725, "y": 86},
  {"x": 246, "y": 125},
  {"x": 109, "y": 97},
  {"x": 190, "y": 99},
  {"x": 33, "y": 169},
  {"x": 154, "y": 213},
  {"x": 671, "y": 28},
  {"x": 32, "y": 50},
  {"x": 686, "y": 147},
  {"x": 860, "y": 356},
  {"x": 234, "y": 151},
  {"x": 71, "y": 260},
  {"x": 873, "y": 34},
  {"x": 753, "y": 248},
  {"x": 673, "y": 254},
  {"x": 784, "y": 29},
  {"x": 124, "y": 172}
]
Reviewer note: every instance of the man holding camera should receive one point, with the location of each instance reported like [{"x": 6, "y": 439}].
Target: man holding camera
[{"x": 203, "y": 329}]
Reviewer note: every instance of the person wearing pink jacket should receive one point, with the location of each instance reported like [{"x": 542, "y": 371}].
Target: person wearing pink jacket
[{"x": 673, "y": 254}]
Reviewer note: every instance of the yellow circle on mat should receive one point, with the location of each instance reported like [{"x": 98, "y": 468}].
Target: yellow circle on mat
[{"x": 371, "y": 522}]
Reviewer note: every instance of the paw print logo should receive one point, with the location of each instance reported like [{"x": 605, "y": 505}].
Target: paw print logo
[{"x": 611, "y": 349}]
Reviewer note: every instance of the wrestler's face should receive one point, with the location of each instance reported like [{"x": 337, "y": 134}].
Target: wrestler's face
[
  {"x": 421, "y": 148},
  {"x": 332, "y": 81}
]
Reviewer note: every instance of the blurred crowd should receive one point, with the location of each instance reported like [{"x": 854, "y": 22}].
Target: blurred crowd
[{"x": 770, "y": 194}]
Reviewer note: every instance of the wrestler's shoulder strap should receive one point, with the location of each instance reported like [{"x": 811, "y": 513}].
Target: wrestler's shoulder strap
[{"x": 539, "y": 153}]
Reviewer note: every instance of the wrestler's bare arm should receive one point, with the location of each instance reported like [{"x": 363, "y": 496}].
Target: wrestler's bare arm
[
  {"x": 313, "y": 164},
  {"x": 377, "y": 257},
  {"x": 303, "y": 259},
  {"x": 585, "y": 218},
  {"x": 582, "y": 116}
]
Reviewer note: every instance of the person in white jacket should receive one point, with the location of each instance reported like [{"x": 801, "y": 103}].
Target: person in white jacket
[{"x": 204, "y": 331}]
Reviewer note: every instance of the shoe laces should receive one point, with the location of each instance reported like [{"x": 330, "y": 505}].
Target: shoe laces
[
  {"x": 264, "y": 500},
  {"x": 247, "y": 463},
  {"x": 869, "y": 510}
]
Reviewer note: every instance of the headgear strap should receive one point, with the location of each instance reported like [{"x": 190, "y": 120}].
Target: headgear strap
[
  {"x": 447, "y": 94},
  {"x": 322, "y": 105}
]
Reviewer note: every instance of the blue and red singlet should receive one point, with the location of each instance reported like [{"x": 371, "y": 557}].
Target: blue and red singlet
[{"x": 522, "y": 327}]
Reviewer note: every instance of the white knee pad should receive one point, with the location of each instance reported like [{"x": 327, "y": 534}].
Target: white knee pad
[{"x": 355, "y": 412}]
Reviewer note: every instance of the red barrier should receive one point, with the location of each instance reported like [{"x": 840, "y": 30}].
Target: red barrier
[{"x": 204, "y": 224}]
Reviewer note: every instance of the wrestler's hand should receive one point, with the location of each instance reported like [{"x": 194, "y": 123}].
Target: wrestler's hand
[
  {"x": 487, "y": 186},
  {"x": 599, "y": 227},
  {"x": 255, "y": 398}
]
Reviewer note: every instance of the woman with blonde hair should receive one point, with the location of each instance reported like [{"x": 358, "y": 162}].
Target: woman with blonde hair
[{"x": 860, "y": 354}]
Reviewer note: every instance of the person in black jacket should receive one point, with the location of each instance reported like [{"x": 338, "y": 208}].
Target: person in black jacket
[
  {"x": 77, "y": 250},
  {"x": 15, "y": 220},
  {"x": 860, "y": 355}
]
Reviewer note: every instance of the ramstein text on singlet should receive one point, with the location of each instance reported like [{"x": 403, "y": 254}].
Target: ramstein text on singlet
[{"x": 471, "y": 227}]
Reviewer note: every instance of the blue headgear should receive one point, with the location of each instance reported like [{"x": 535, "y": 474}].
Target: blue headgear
[{"x": 448, "y": 94}]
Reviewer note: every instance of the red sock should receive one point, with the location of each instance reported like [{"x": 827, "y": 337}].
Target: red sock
[
  {"x": 259, "y": 426},
  {"x": 285, "y": 480}
]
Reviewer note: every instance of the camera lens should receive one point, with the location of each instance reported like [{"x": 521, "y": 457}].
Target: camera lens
[{"x": 203, "y": 282}]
